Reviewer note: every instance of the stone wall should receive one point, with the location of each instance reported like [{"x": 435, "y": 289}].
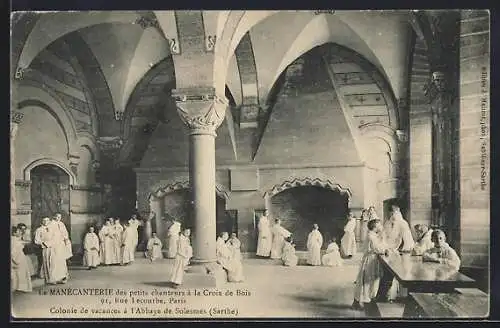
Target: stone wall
[
  {"x": 420, "y": 139},
  {"x": 474, "y": 138}
]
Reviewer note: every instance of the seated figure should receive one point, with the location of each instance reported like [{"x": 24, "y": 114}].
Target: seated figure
[
  {"x": 442, "y": 251},
  {"x": 288, "y": 256},
  {"x": 332, "y": 256},
  {"x": 424, "y": 241}
]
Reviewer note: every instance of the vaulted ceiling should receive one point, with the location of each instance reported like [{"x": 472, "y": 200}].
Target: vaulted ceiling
[{"x": 118, "y": 68}]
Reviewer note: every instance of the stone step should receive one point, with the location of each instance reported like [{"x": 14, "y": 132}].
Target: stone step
[{"x": 390, "y": 310}]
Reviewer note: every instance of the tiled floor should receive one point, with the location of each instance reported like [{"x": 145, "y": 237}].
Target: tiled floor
[{"x": 274, "y": 291}]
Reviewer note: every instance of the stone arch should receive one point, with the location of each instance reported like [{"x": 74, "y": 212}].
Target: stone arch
[
  {"x": 32, "y": 94},
  {"x": 27, "y": 170},
  {"x": 293, "y": 182},
  {"x": 88, "y": 141},
  {"x": 81, "y": 20},
  {"x": 161, "y": 191}
]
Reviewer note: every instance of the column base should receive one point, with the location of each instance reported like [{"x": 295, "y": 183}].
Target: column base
[{"x": 205, "y": 275}]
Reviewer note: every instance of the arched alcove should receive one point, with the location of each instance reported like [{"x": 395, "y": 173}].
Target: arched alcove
[
  {"x": 302, "y": 206},
  {"x": 173, "y": 201}
]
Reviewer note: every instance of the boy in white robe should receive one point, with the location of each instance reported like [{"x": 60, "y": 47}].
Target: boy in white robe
[
  {"x": 20, "y": 268},
  {"x": 173, "y": 237},
  {"x": 279, "y": 234},
  {"x": 370, "y": 271},
  {"x": 61, "y": 243},
  {"x": 265, "y": 237},
  {"x": 128, "y": 244},
  {"x": 397, "y": 231},
  {"x": 91, "y": 256},
  {"x": 314, "y": 243},
  {"x": 235, "y": 246},
  {"x": 154, "y": 248},
  {"x": 134, "y": 223},
  {"x": 424, "y": 240},
  {"x": 289, "y": 256},
  {"x": 237, "y": 274},
  {"x": 398, "y": 237},
  {"x": 332, "y": 255},
  {"x": 184, "y": 253},
  {"x": 225, "y": 258},
  {"x": 64, "y": 235},
  {"x": 54, "y": 270},
  {"x": 25, "y": 240},
  {"x": 107, "y": 243},
  {"x": 442, "y": 252},
  {"x": 117, "y": 232},
  {"x": 348, "y": 241}
]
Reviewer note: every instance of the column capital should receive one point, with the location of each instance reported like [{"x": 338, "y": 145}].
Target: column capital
[{"x": 200, "y": 109}]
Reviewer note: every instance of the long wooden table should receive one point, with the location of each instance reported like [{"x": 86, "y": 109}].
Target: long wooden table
[{"x": 426, "y": 277}]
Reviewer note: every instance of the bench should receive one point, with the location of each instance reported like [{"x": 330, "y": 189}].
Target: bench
[{"x": 465, "y": 303}]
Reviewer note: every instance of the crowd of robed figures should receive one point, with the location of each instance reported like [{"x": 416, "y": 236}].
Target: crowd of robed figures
[
  {"x": 276, "y": 242},
  {"x": 373, "y": 281},
  {"x": 113, "y": 244}
]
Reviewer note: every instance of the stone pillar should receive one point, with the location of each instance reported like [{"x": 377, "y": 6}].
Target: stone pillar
[
  {"x": 15, "y": 120},
  {"x": 155, "y": 207},
  {"x": 440, "y": 102},
  {"x": 202, "y": 111},
  {"x": 147, "y": 229}
]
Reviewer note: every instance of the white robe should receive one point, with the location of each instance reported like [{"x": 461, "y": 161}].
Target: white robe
[
  {"x": 445, "y": 255},
  {"x": 173, "y": 238},
  {"x": 225, "y": 257},
  {"x": 289, "y": 257},
  {"x": 398, "y": 233},
  {"x": 65, "y": 237},
  {"x": 61, "y": 242},
  {"x": 348, "y": 241},
  {"x": 332, "y": 255},
  {"x": 235, "y": 246},
  {"x": 423, "y": 244},
  {"x": 54, "y": 266},
  {"x": 91, "y": 250},
  {"x": 154, "y": 248},
  {"x": 134, "y": 224},
  {"x": 279, "y": 235},
  {"x": 314, "y": 243},
  {"x": 184, "y": 253},
  {"x": 370, "y": 271},
  {"x": 128, "y": 244},
  {"x": 265, "y": 237},
  {"x": 117, "y": 232},
  {"x": 107, "y": 245},
  {"x": 20, "y": 273}
]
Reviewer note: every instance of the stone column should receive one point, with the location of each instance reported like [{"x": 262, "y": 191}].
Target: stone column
[
  {"x": 15, "y": 119},
  {"x": 156, "y": 213},
  {"x": 202, "y": 111},
  {"x": 440, "y": 102},
  {"x": 147, "y": 229}
]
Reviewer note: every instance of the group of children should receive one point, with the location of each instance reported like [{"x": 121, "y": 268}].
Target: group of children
[
  {"x": 333, "y": 255},
  {"x": 115, "y": 244},
  {"x": 430, "y": 244}
]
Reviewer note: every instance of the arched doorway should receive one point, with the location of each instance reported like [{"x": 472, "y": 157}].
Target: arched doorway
[
  {"x": 177, "y": 204},
  {"x": 302, "y": 206},
  {"x": 49, "y": 194}
]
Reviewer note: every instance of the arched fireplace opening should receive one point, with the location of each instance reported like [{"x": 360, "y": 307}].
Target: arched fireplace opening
[
  {"x": 177, "y": 205},
  {"x": 300, "y": 207}
]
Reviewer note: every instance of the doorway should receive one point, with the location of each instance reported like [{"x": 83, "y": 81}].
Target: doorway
[{"x": 49, "y": 195}]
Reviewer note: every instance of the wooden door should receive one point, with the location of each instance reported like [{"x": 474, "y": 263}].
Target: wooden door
[{"x": 49, "y": 195}]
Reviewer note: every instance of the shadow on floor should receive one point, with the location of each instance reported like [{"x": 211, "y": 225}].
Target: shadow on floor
[{"x": 164, "y": 284}]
